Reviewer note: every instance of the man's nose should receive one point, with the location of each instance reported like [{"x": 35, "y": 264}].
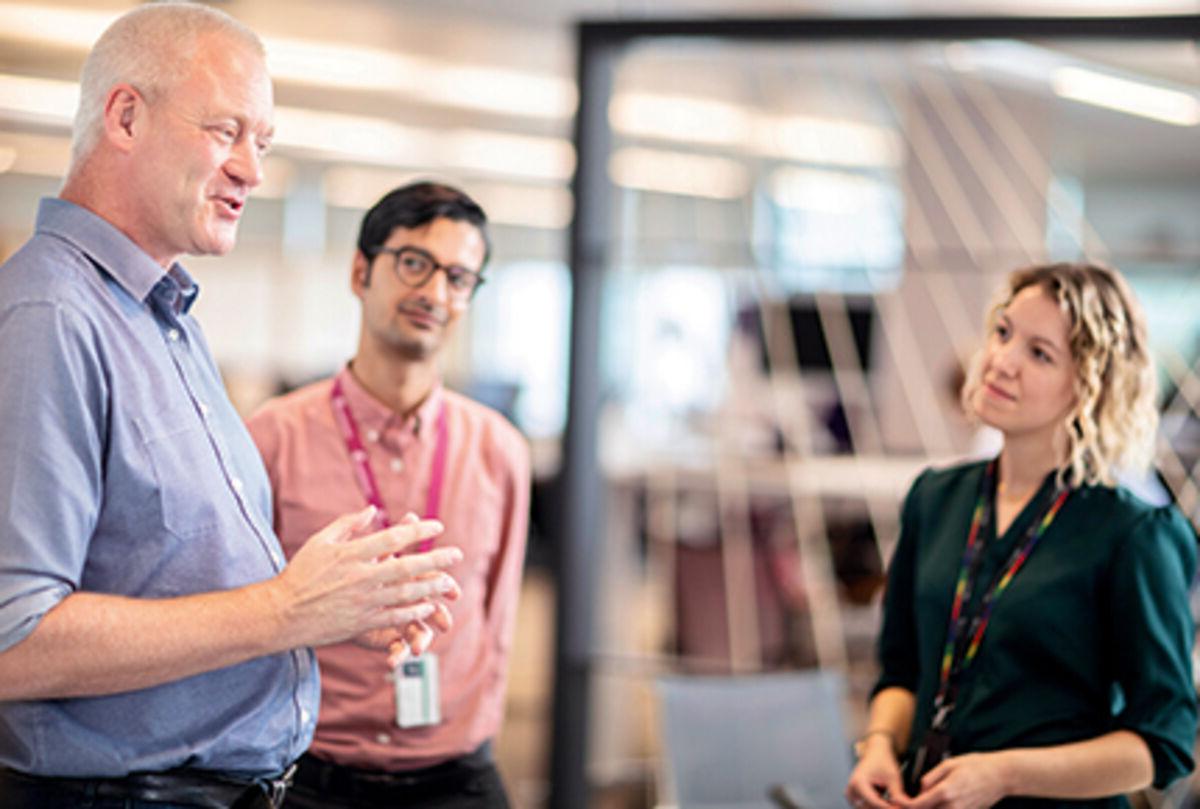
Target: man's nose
[
  {"x": 437, "y": 285},
  {"x": 245, "y": 163}
]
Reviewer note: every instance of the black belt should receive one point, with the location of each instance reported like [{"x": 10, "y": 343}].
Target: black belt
[
  {"x": 338, "y": 780},
  {"x": 203, "y": 789}
]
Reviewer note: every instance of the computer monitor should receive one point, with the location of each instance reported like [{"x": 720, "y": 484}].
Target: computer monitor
[{"x": 808, "y": 334}]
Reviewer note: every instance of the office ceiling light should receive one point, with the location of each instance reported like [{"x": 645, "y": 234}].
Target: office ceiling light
[
  {"x": 1132, "y": 97},
  {"x": 710, "y": 122},
  {"x": 8, "y": 157},
  {"x": 435, "y": 81},
  {"x": 831, "y": 192},
  {"x": 45, "y": 102},
  {"x": 322, "y": 64},
  {"x": 685, "y": 119},
  {"x": 828, "y": 141},
  {"x": 352, "y": 137},
  {"x": 36, "y": 155},
  {"x": 63, "y": 27},
  {"x": 508, "y": 154},
  {"x": 678, "y": 173},
  {"x": 364, "y": 139},
  {"x": 498, "y": 90},
  {"x": 546, "y": 207}
]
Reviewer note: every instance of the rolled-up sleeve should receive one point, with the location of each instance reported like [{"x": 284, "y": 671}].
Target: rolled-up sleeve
[
  {"x": 898, "y": 652},
  {"x": 52, "y": 412},
  {"x": 1152, "y": 626}
]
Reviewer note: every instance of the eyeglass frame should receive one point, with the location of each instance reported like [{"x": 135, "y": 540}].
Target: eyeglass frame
[{"x": 435, "y": 265}]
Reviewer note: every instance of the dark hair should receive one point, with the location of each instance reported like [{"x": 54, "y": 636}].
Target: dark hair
[{"x": 414, "y": 206}]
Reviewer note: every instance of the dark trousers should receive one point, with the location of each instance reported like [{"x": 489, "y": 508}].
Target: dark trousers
[
  {"x": 154, "y": 791},
  {"x": 470, "y": 782}
]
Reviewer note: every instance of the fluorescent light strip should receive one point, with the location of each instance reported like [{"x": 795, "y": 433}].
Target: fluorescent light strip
[
  {"x": 497, "y": 90},
  {"x": 831, "y": 192},
  {"x": 547, "y": 207},
  {"x": 374, "y": 140},
  {"x": 322, "y": 64},
  {"x": 802, "y": 138},
  {"x": 39, "y": 101},
  {"x": 317, "y": 63},
  {"x": 62, "y": 27},
  {"x": 336, "y": 136},
  {"x": 828, "y": 141},
  {"x": 679, "y": 173},
  {"x": 1132, "y": 97},
  {"x": 680, "y": 118},
  {"x": 36, "y": 155},
  {"x": 434, "y": 81}
]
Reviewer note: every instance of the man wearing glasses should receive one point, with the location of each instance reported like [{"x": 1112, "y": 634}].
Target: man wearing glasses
[{"x": 384, "y": 431}]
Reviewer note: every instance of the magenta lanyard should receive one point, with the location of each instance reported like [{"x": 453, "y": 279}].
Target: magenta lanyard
[{"x": 362, "y": 469}]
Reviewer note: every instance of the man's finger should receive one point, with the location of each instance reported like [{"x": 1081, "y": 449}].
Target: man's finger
[
  {"x": 397, "y": 538},
  {"x": 413, "y": 565},
  {"x": 441, "y": 620},
  {"x": 347, "y": 525},
  {"x": 403, "y": 590}
]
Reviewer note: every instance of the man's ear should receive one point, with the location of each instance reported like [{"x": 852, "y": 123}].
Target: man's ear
[
  {"x": 360, "y": 273},
  {"x": 124, "y": 116}
]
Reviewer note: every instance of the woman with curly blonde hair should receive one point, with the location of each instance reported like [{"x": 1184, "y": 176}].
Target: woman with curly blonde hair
[{"x": 1036, "y": 641}]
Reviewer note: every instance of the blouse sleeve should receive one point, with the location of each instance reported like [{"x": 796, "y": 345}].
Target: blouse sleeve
[
  {"x": 898, "y": 636},
  {"x": 1152, "y": 628}
]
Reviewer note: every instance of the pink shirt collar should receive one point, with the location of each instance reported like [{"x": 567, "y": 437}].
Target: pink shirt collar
[{"x": 372, "y": 414}]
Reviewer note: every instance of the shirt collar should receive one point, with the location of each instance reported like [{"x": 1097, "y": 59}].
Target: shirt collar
[
  {"x": 371, "y": 413},
  {"x": 116, "y": 253}
]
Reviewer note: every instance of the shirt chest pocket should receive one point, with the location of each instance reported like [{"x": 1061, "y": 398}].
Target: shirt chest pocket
[{"x": 190, "y": 483}]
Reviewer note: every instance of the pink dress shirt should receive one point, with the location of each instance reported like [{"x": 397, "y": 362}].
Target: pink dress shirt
[{"x": 485, "y": 508}]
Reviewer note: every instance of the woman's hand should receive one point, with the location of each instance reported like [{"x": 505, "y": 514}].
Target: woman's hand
[
  {"x": 970, "y": 781},
  {"x": 875, "y": 782}
]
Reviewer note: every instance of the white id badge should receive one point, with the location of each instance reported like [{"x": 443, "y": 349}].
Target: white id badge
[{"x": 418, "y": 697}]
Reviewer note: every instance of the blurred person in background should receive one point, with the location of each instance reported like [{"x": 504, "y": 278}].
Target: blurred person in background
[
  {"x": 385, "y": 431},
  {"x": 1036, "y": 639}
]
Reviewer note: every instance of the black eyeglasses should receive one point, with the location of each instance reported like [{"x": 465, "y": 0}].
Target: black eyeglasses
[{"x": 414, "y": 266}]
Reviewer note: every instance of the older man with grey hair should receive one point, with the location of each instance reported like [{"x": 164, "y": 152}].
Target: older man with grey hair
[{"x": 153, "y": 643}]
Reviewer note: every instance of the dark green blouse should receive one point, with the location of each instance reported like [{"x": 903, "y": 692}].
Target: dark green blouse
[{"x": 1093, "y": 635}]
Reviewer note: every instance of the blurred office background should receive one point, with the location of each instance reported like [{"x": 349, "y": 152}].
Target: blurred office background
[{"x": 735, "y": 349}]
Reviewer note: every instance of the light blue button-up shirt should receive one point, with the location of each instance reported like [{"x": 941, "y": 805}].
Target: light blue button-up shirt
[{"x": 124, "y": 469}]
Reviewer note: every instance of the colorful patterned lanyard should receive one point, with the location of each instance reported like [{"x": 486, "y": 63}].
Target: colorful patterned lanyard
[
  {"x": 362, "y": 469},
  {"x": 964, "y": 634}
]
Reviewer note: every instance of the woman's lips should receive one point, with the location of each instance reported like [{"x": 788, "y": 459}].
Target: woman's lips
[{"x": 999, "y": 393}]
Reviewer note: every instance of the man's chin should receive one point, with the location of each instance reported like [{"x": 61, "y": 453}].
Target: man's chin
[{"x": 218, "y": 239}]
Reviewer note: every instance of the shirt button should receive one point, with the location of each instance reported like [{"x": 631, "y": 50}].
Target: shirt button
[
  {"x": 305, "y": 715},
  {"x": 372, "y": 436},
  {"x": 383, "y": 738},
  {"x": 397, "y": 465},
  {"x": 173, "y": 335}
]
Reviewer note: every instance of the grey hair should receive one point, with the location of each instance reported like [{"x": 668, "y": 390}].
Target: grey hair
[{"x": 150, "y": 49}]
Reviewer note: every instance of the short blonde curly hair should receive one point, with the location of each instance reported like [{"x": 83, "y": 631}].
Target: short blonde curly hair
[{"x": 1114, "y": 421}]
